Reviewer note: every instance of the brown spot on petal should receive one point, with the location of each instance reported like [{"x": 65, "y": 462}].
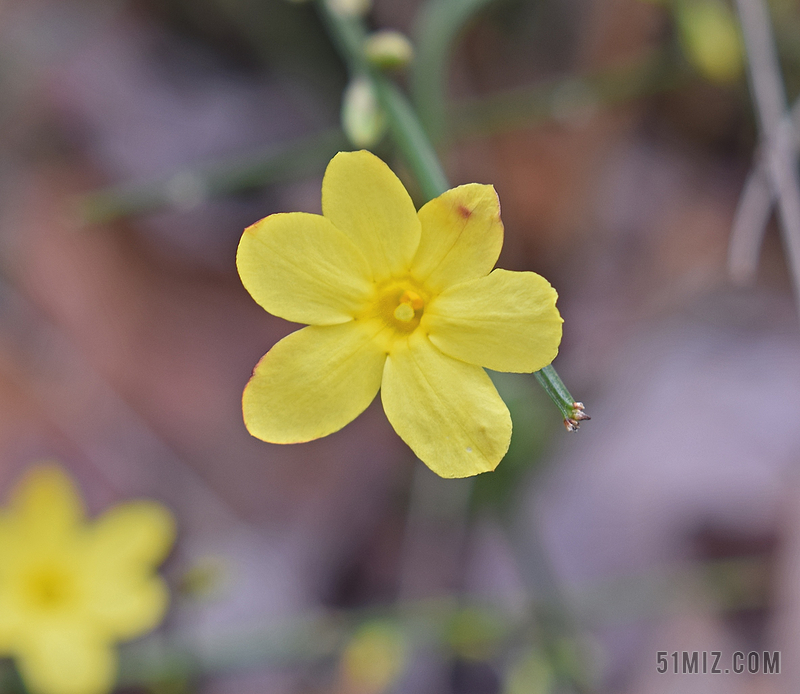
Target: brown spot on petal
[{"x": 464, "y": 211}]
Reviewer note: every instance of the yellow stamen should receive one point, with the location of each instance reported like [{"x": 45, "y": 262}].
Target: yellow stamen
[
  {"x": 404, "y": 312},
  {"x": 412, "y": 298}
]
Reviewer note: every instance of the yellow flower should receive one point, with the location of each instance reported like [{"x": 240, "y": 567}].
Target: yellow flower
[
  {"x": 709, "y": 34},
  {"x": 397, "y": 301},
  {"x": 69, "y": 589},
  {"x": 373, "y": 660}
]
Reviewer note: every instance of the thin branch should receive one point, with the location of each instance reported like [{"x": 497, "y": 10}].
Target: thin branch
[
  {"x": 750, "y": 224},
  {"x": 411, "y": 139},
  {"x": 753, "y": 213},
  {"x": 487, "y": 115},
  {"x": 193, "y": 186},
  {"x": 437, "y": 26},
  {"x": 776, "y": 127}
]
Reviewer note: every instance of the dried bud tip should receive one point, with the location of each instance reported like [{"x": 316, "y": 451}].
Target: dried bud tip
[
  {"x": 577, "y": 416},
  {"x": 578, "y": 412}
]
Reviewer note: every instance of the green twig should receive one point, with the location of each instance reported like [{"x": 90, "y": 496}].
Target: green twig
[
  {"x": 412, "y": 140},
  {"x": 191, "y": 187},
  {"x": 566, "y": 97},
  {"x": 484, "y": 116},
  {"x": 348, "y": 33},
  {"x": 438, "y": 24},
  {"x": 571, "y": 410},
  {"x": 726, "y": 586}
]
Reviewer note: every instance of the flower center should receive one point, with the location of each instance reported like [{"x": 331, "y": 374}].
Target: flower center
[
  {"x": 399, "y": 305},
  {"x": 48, "y": 587},
  {"x": 410, "y": 303}
]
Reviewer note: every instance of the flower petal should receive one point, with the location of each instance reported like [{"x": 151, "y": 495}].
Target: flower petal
[
  {"x": 447, "y": 411},
  {"x": 300, "y": 267},
  {"x": 313, "y": 382},
  {"x": 364, "y": 199},
  {"x": 461, "y": 236},
  {"x": 125, "y": 545},
  {"x": 67, "y": 660},
  {"x": 507, "y": 321},
  {"x": 136, "y": 533},
  {"x": 12, "y": 615},
  {"x": 123, "y": 607},
  {"x": 46, "y": 504}
]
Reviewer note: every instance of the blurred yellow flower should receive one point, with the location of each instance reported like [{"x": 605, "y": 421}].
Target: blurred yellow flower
[
  {"x": 397, "y": 301},
  {"x": 709, "y": 34},
  {"x": 373, "y": 660},
  {"x": 69, "y": 589}
]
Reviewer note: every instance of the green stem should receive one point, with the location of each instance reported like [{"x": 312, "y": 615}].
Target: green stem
[
  {"x": 412, "y": 140},
  {"x": 729, "y": 586},
  {"x": 555, "y": 388},
  {"x": 193, "y": 186},
  {"x": 348, "y": 34},
  {"x": 572, "y": 411},
  {"x": 437, "y": 26},
  {"x": 529, "y": 105},
  {"x": 487, "y": 115}
]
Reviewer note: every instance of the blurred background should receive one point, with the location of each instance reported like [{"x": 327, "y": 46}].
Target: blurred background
[{"x": 139, "y": 137}]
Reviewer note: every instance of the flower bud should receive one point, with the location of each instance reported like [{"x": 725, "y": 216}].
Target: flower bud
[
  {"x": 374, "y": 659},
  {"x": 350, "y": 8},
  {"x": 388, "y": 49},
  {"x": 363, "y": 120}
]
